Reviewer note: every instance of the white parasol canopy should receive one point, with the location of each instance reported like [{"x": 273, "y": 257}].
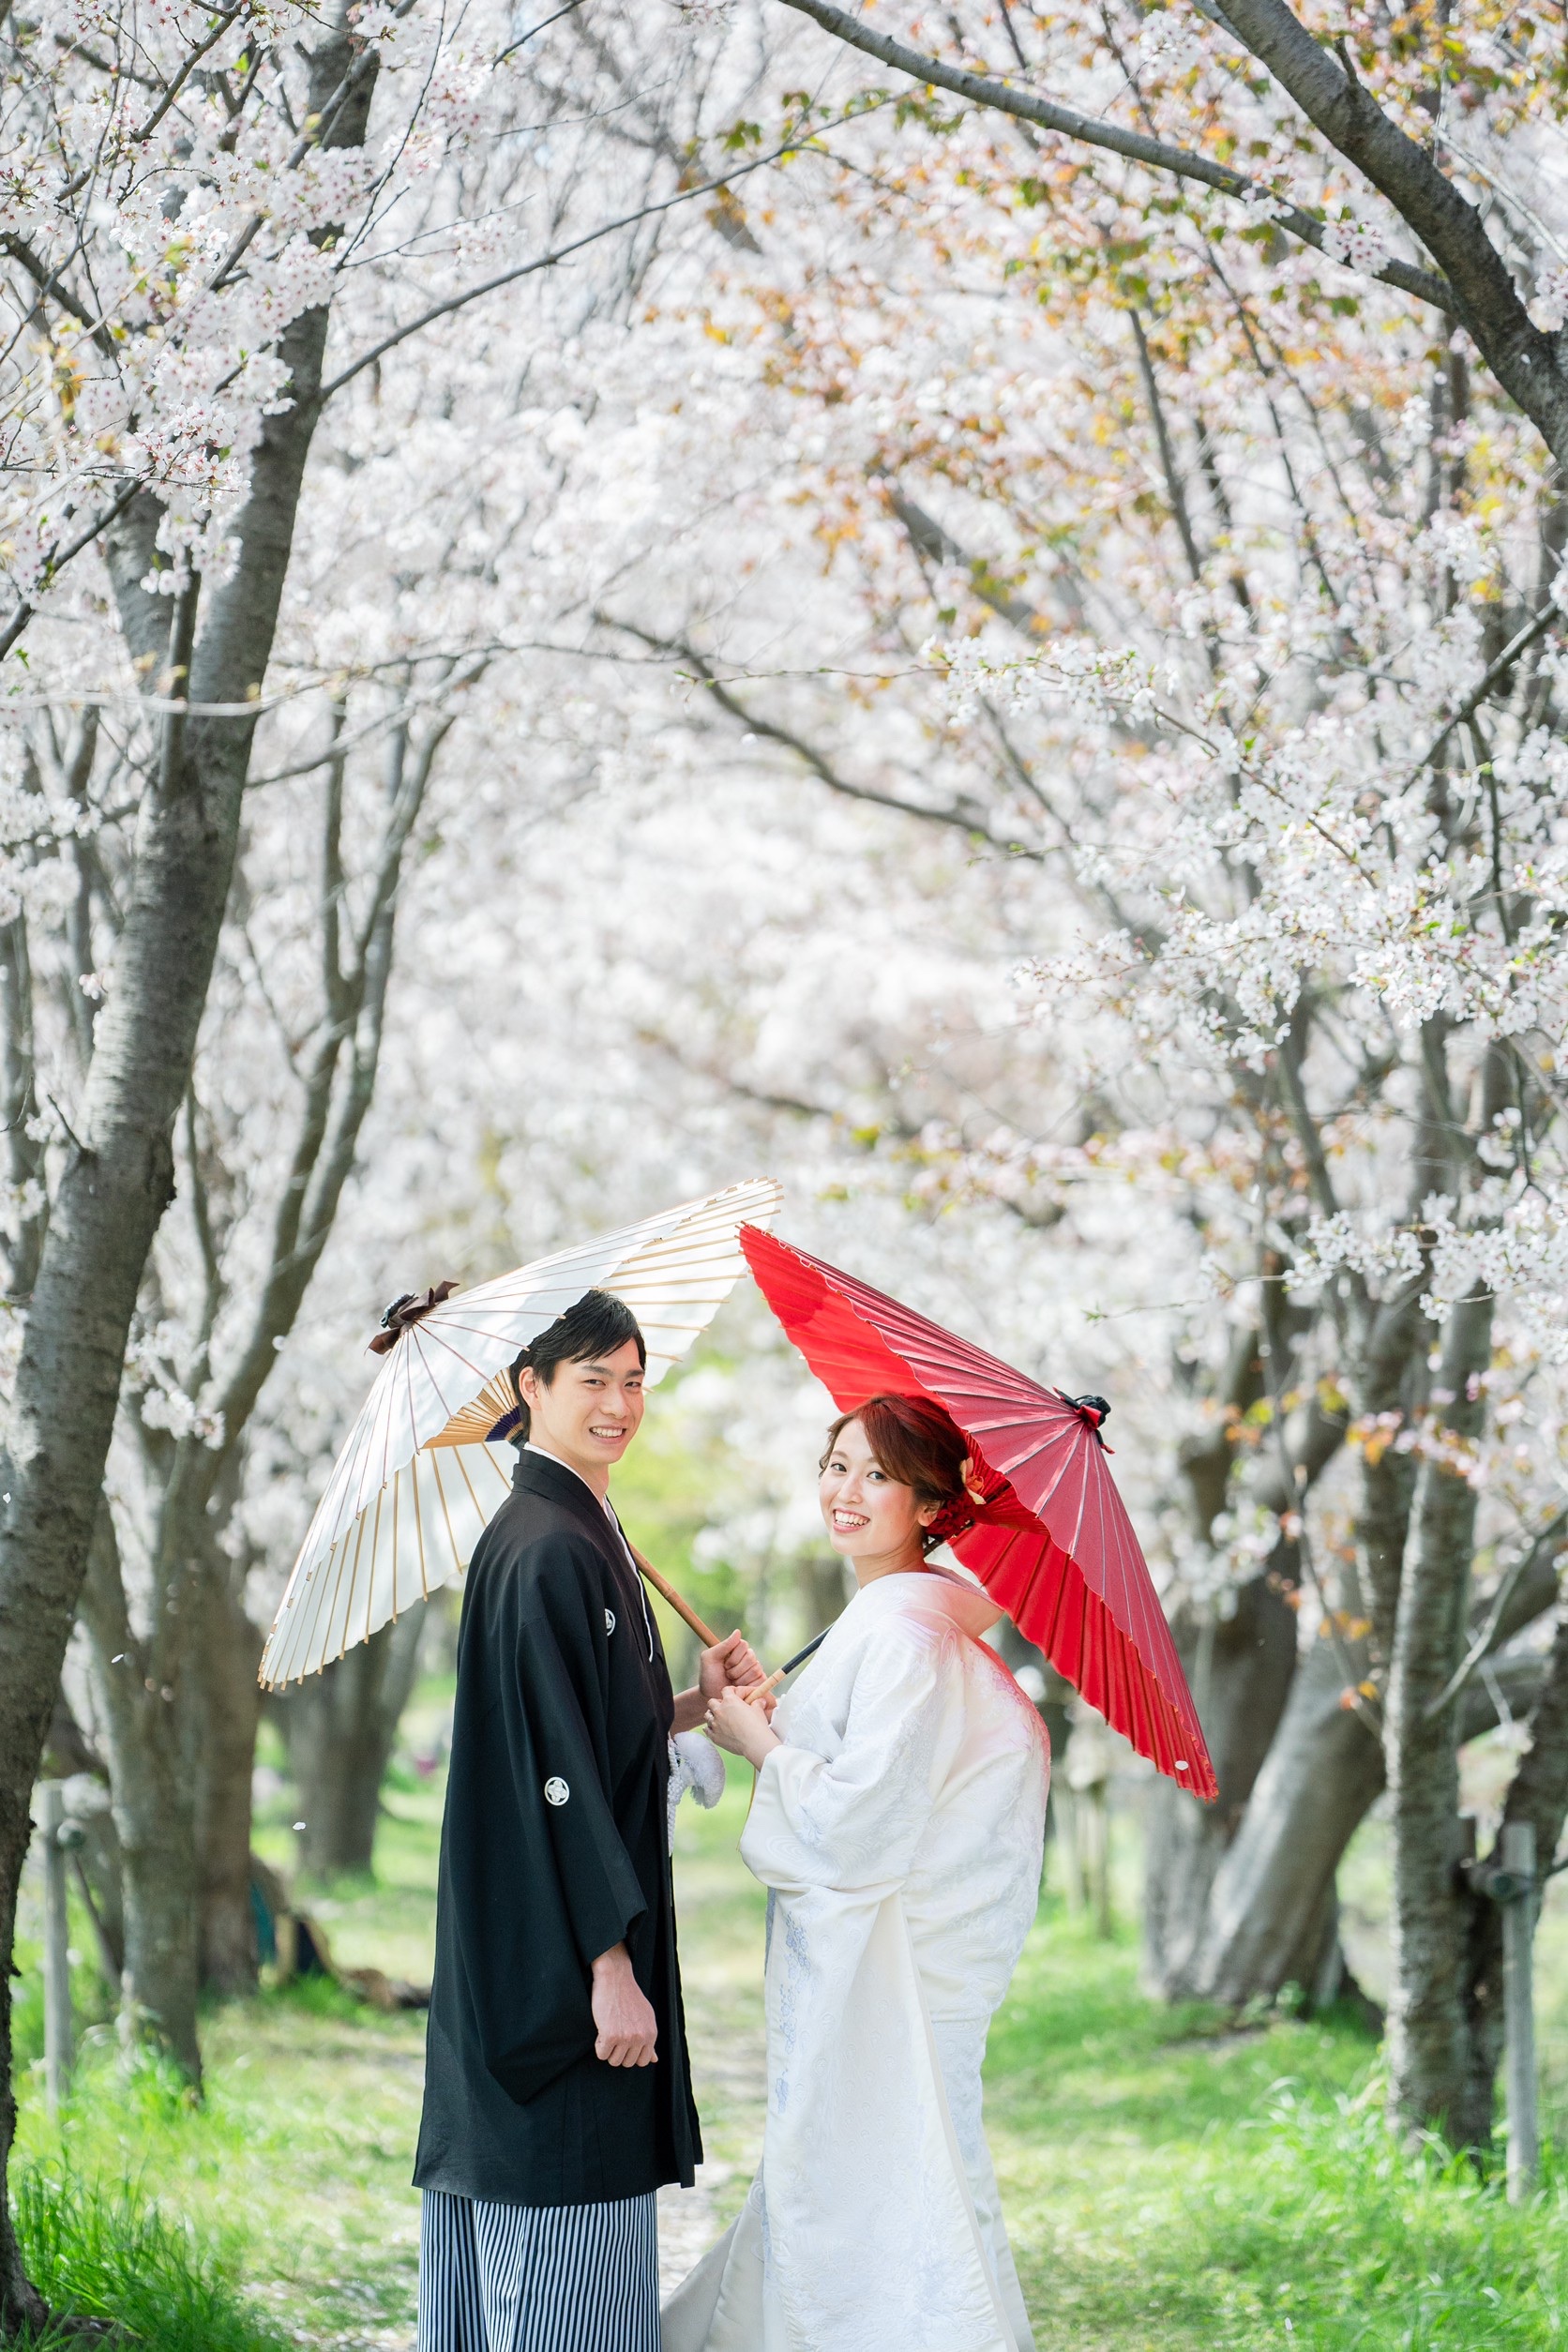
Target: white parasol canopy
[{"x": 411, "y": 1490}]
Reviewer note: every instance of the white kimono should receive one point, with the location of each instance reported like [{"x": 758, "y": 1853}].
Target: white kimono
[{"x": 900, "y": 1830}]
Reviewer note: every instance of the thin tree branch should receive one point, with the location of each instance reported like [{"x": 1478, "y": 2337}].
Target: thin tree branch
[
  {"x": 193, "y": 58},
  {"x": 1545, "y": 1550},
  {"x": 549, "y": 260},
  {"x": 1175, "y": 487},
  {"x": 1517, "y": 645},
  {"x": 58, "y": 557},
  {"x": 1135, "y": 146},
  {"x": 48, "y": 282},
  {"x": 535, "y": 30},
  {"x": 969, "y": 821}
]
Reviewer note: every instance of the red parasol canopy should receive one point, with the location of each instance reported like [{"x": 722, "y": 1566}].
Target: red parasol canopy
[{"x": 1052, "y": 1542}]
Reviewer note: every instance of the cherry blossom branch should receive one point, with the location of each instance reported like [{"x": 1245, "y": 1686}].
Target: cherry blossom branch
[
  {"x": 804, "y": 145},
  {"x": 363, "y": 68},
  {"x": 1260, "y": 777},
  {"x": 1477, "y": 284},
  {"x": 967, "y": 820},
  {"x": 1521, "y": 643},
  {"x": 1158, "y": 154},
  {"x": 59, "y": 557},
  {"x": 52, "y": 282},
  {"x": 222, "y": 24}
]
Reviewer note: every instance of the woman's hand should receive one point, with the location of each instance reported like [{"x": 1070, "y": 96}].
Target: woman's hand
[{"x": 732, "y": 1722}]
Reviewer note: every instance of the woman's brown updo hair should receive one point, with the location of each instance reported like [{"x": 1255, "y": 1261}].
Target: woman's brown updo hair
[{"x": 920, "y": 1446}]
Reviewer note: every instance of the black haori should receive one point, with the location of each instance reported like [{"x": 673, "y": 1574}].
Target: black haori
[{"x": 554, "y": 1847}]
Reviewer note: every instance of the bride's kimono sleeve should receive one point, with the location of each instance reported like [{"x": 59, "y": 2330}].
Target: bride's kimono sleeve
[{"x": 852, "y": 1822}]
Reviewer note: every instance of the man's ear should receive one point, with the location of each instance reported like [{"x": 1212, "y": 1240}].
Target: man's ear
[{"x": 526, "y": 1381}]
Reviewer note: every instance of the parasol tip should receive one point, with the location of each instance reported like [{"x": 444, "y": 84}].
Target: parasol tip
[
  {"x": 406, "y": 1309},
  {"x": 1093, "y": 1411}
]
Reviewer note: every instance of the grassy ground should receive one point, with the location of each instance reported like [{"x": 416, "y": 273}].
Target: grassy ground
[{"x": 1167, "y": 2184}]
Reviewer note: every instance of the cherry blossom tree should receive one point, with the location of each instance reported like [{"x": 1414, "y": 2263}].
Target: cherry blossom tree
[
  {"x": 1341, "y": 943},
  {"x": 190, "y": 203},
  {"x": 1234, "y": 475},
  {"x": 1001, "y": 660}
]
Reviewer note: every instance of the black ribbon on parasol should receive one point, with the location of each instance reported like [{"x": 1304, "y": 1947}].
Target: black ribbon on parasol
[
  {"x": 405, "y": 1313},
  {"x": 1093, "y": 1410}
]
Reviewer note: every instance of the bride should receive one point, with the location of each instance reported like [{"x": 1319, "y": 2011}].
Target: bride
[{"x": 897, "y": 1825}]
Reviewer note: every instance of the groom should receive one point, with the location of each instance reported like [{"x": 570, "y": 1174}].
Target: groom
[{"x": 557, "y": 2086}]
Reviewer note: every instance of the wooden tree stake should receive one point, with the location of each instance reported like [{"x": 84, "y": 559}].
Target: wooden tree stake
[
  {"x": 56, "y": 1941},
  {"x": 1519, "y": 1932}
]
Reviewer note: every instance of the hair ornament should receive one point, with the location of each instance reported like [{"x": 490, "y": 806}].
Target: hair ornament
[{"x": 987, "y": 1500}]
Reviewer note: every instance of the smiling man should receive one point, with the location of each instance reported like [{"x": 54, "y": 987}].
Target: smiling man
[{"x": 557, "y": 2088}]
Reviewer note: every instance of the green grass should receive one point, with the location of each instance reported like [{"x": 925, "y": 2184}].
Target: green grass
[
  {"x": 1166, "y": 2185},
  {"x": 111, "y": 2253},
  {"x": 1174, "y": 2187},
  {"x": 296, "y": 2165}
]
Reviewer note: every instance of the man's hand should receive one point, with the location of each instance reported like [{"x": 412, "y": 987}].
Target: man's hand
[
  {"x": 730, "y": 1664},
  {"x": 622, "y": 2013}
]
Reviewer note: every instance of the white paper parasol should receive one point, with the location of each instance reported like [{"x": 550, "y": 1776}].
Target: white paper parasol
[{"x": 416, "y": 1482}]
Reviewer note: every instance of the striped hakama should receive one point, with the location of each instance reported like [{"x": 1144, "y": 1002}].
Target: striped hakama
[{"x": 539, "y": 2278}]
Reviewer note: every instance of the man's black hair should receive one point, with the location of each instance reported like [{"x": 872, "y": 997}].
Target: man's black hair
[{"x": 597, "y": 1325}]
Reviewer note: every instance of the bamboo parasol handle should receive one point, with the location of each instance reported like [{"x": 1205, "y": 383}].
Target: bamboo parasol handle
[
  {"x": 761, "y": 1690},
  {"x": 666, "y": 1592}
]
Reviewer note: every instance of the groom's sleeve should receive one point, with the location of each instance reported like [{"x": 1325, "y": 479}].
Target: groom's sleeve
[
  {"x": 563, "y": 1674},
  {"x": 570, "y": 1890}
]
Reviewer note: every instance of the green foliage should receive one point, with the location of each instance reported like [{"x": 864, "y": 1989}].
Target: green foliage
[
  {"x": 1170, "y": 2183},
  {"x": 316, "y": 1997},
  {"x": 107, "y": 2252},
  {"x": 91, "y": 1998}
]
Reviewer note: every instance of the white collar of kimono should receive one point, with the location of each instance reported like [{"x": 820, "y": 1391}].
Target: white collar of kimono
[{"x": 937, "y": 1592}]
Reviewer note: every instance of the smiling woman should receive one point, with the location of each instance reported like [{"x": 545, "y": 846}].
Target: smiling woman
[
  {"x": 894, "y": 1477},
  {"x": 897, "y": 1824}
]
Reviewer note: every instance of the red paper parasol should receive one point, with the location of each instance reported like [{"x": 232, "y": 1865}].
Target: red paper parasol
[{"x": 1054, "y": 1545}]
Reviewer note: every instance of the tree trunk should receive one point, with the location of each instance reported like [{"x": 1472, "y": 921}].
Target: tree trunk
[
  {"x": 149, "y": 1733},
  {"x": 1426, "y": 2033},
  {"x": 339, "y": 1727},
  {"x": 1273, "y": 1889},
  {"x": 1241, "y": 1668},
  {"x": 226, "y": 1650},
  {"x": 70, "y": 1755},
  {"x": 1272, "y": 1900},
  {"x": 153, "y": 1815},
  {"x": 1241, "y": 1672},
  {"x": 117, "y": 1181}
]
